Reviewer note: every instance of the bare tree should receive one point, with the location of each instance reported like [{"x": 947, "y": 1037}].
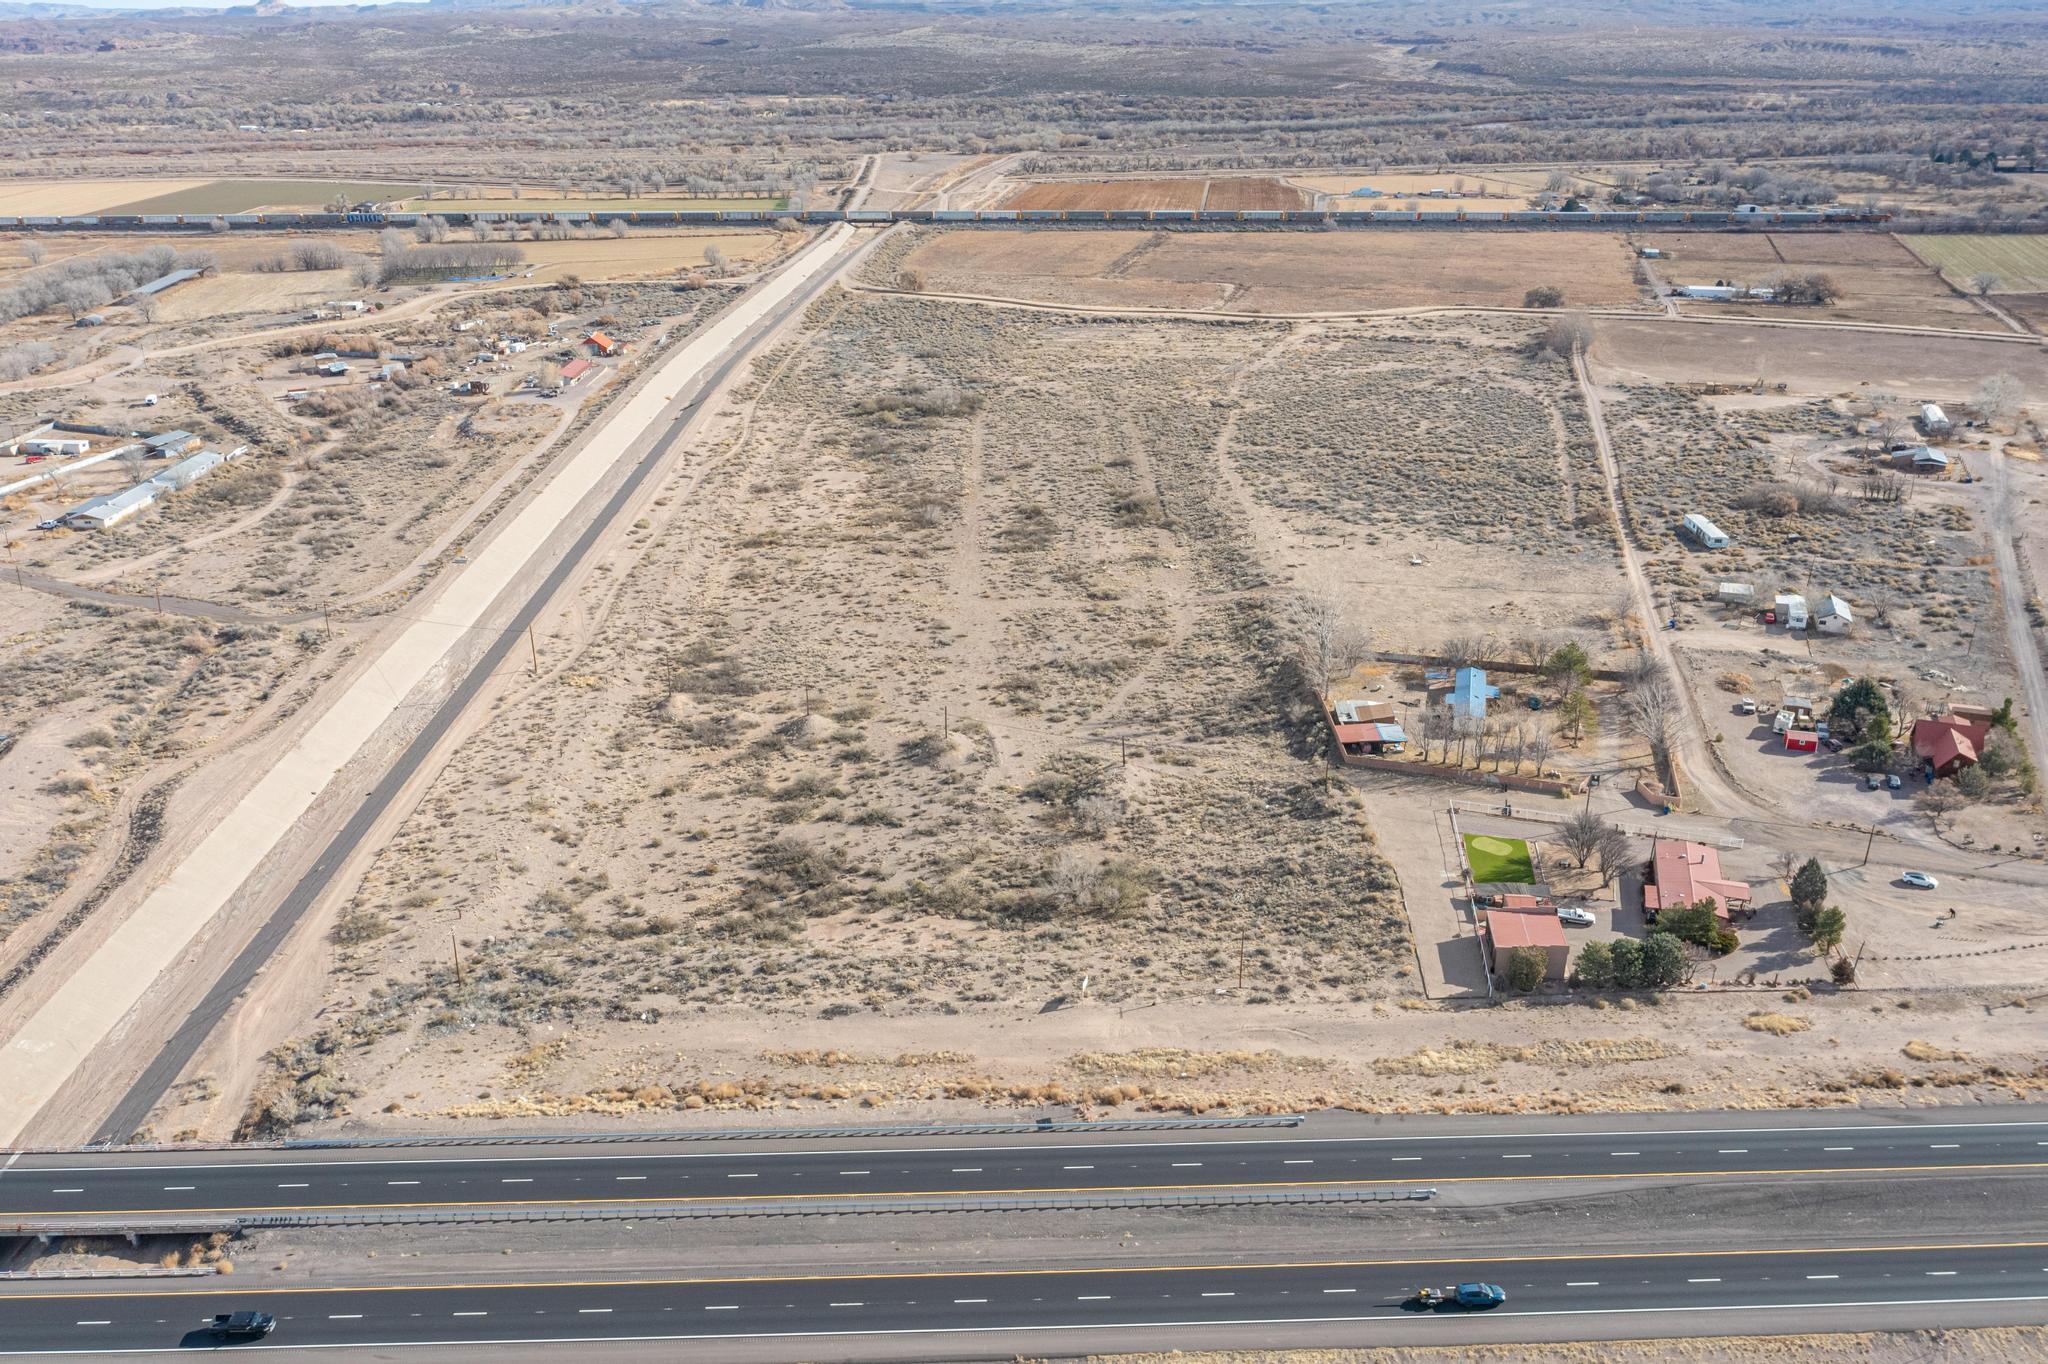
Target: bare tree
[
  {"x": 1581, "y": 835},
  {"x": 145, "y": 306},
  {"x": 1613, "y": 854},
  {"x": 714, "y": 258},
  {"x": 1785, "y": 864},
  {"x": 1651, "y": 713},
  {"x": 1998, "y": 397},
  {"x": 1541, "y": 744},
  {"x": 34, "y": 250},
  {"x": 80, "y": 296},
  {"x": 1984, "y": 283},
  {"x": 1328, "y": 643},
  {"x": 135, "y": 462},
  {"x": 1939, "y": 801}
]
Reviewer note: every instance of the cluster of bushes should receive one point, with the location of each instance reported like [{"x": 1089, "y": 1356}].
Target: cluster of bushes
[
  {"x": 30, "y": 357},
  {"x": 418, "y": 264},
  {"x": 1656, "y": 962},
  {"x": 83, "y": 283}
]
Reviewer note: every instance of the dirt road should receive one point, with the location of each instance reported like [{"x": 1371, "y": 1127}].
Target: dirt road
[{"x": 2012, "y": 589}]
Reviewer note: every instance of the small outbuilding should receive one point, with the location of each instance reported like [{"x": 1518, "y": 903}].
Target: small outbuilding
[
  {"x": 170, "y": 444},
  {"x": 1703, "y": 532},
  {"x": 1536, "y": 929},
  {"x": 1933, "y": 420},
  {"x": 1736, "y": 594},
  {"x": 1833, "y": 616}
]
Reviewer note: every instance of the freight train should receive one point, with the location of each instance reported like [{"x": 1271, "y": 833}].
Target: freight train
[{"x": 986, "y": 217}]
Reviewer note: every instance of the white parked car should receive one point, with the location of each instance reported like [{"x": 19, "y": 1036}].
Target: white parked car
[
  {"x": 1919, "y": 880},
  {"x": 1576, "y": 917}
]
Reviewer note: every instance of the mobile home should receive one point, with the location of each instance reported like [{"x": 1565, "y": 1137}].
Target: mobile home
[{"x": 1704, "y": 532}]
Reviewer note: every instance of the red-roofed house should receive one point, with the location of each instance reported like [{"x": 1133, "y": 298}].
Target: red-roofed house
[
  {"x": 575, "y": 370},
  {"x": 1949, "y": 743},
  {"x": 1507, "y": 929},
  {"x": 602, "y": 344},
  {"x": 1684, "y": 874}
]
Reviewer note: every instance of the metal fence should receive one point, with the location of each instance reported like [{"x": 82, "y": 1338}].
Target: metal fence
[
  {"x": 879, "y": 1131},
  {"x": 1510, "y": 810}
]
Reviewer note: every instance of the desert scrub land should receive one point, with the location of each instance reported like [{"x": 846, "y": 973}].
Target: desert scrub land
[
  {"x": 853, "y": 736},
  {"x": 1772, "y": 478},
  {"x": 109, "y": 699},
  {"x": 1276, "y": 272}
]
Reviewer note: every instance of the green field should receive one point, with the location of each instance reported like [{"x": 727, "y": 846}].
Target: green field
[
  {"x": 246, "y": 196},
  {"x": 1499, "y": 859},
  {"x": 2020, "y": 262}
]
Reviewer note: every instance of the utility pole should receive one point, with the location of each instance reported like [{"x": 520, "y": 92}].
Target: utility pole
[
  {"x": 1122, "y": 753},
  {"x": 533, "y": 651},
  {"x": 159, "y": 599},
  {"x": 455, "y": 951},
  {"x": 946, "y": 719},
  {"x": 1242, "y": 941},
  {"x": 1869, "y": 839}
]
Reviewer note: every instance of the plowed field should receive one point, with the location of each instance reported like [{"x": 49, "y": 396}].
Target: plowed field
[{"x": 1222, "y": 194}]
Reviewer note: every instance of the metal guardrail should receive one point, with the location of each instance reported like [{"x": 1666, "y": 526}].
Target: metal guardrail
[
  {"x": 962, "y": 1129},
  {"x": 140, "y": 1225},
  {"x": 133, "y": 1272},
  {"x": 809, "y": 1208}
]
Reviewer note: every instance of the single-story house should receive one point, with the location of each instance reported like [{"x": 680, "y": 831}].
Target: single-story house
[
  {"x": 1921, "y": 459},
  {"x": 602, "y": 344},
  {"x": 55, "y": 447},
  {"x": 189, "y": 470},
  {"x": 1508, "y": 929},
  {"x": 388, "y": 371},
  {"x": 1949, "y": 743},
  {"x": 1470, "y": 693},
  {"x": 1791, "y": 610},
  {"x": 1683, "y": 873},
  {"x": 332, "y": 369},
  {"x": 110, "y": 509},
  {"x": 1363, "y": 712},
  {"x": 575, "y": 370},
  {"x": 1833, "y": 616},
  {"x": 1370, "y": 739}
]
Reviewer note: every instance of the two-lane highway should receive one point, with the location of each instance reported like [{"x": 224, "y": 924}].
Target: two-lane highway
[
  {"x": 96, "y": 1186},
  {"x": 1161, "y": 1306}
]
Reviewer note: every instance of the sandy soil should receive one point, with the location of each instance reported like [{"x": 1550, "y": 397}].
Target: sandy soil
[
  {"x": 1881, "y": 281},
  {"x": 1176, "y": 193},
  {"x": 646, "y": 255},
  {"x": 1942, "y": 368},
  {"x": 23, "y": 197},
  {"x": 1321, "y": 272},
  {"x": 226, "y": 294}
]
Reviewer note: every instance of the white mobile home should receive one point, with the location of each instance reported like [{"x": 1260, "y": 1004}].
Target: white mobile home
[
  {"x": 1933, "y": 420},
  {"x": 1791, "y": 608},
  {"x": 1704, "y": 532},
  {"x": 1736, "y": 594},
  {"x": 1833, "y": 616},
  {"x": 112, "y": 508},
  {"x": 55, "y": 447}
]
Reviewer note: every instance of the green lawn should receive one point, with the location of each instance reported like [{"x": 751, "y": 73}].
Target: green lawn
[{"x": 1499, "y": 859}]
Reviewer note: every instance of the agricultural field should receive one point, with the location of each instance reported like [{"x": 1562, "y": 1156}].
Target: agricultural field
[
  {"x": 1177, "y": 193},
  {"x": 1277, "y": 273},
  {"x": 646, "y": 254},
  {"x": 533, "y": 201},
  {"x": 23, "y": 197},
  {"x": 232, "y": 292},
  {"x": 1880, "y": 280},
  {"x": 252, "y": 196},
  {"x": 1947, "y": 369},
  {"x": 2019, "y": 262}
]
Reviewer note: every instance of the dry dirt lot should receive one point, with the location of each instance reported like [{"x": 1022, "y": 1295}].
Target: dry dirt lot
[
  {"x": 1276, "y": 273},
  {"x": 1189, "y": 193},
  {"x": 1810, "y": 361},
  {"x": 647, "y": 255},
  {"x": 25, "y": 197},
  {"x": 931, "y": 752},
  {"x": 1881, "y": 281}
]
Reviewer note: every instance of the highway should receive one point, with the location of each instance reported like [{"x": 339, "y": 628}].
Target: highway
[
  {"x": 98, "y": 1185},
  {"x": 1151, "y": 1306}
]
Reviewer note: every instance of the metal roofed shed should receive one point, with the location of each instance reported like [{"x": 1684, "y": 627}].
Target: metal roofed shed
[
  {"x": 1470, "y": 692},
  {"x": 1704, "y": 532},
  {"x": 170, "y": 443},
  {"x": 189, "y": 470},
  {"x": 163, "y": 282},
  {"x": 1736, "y": 594},
  {"x": 1833, "y": 616}
]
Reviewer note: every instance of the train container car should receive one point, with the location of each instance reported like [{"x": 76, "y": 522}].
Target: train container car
[
  {"x": 162, "y": 220},
  {"x": 1130, "y": 215},
  {"x": 87, "y": 221},
  {"x": 825, "y": 215},
  {"x": 1528, "y": 215},
  {"x": 869, "y": 215},
  {"x": 1484, "y": 215},
  {"x": 1264, "y": 215},
  {"x": 1041, "y": 215},
  {"x": 1087, "y": 215},
  {"x": 40, "y": 220},
  {"x": 1662, "y": 215},
  {"x": 953, "y": 215},
  {"x": 1173, "y": 215},
  {"x": 914, "y": 215},
  {"x": 1438, "y": 215},
  {"x": 1005, "y": 215},
  {"x": 1307, "y": 215}
]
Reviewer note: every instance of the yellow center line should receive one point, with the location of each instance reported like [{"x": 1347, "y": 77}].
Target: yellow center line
[
  {"x": 682, "y": 1199},
  {"x": 1571, "y": 1257}
]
